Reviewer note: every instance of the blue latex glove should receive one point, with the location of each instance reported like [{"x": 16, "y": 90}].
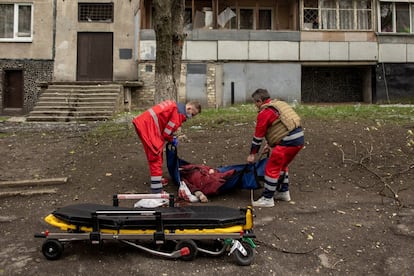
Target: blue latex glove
[{"x": 175, "y": 141}]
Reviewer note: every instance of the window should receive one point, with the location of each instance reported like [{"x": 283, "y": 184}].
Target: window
[
  {"x": 396, "y": 17},
  {"x": 188, "y": 18},
  {"x": 245, "y": 19},
  {"x": 265, "y": 19},
  {"x": 337, "y": 15},
  {"x": 16, "y": 22},
  {"x": 96, "y": 12},
  {"x": 310, "y": 15}
]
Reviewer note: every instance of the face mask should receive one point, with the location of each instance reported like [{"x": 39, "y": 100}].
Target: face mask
[{"x": 189, "y": 115}]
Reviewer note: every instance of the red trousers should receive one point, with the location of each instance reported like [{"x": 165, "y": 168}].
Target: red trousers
[
  {"x": 154, "y": 158},
  {"x": 279, "y": 160}
]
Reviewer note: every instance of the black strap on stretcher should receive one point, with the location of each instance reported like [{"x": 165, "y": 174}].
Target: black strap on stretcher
[{"x": 95, "y": 235}]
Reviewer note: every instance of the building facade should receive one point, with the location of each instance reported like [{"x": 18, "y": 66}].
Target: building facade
[
  {"x": 46, "y": 41},
  {"x": 300, "y": 50},
  {"x": 306, "y": 51}
]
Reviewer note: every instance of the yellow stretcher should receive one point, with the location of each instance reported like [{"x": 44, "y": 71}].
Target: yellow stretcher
[{"x": 171, "y": 232}]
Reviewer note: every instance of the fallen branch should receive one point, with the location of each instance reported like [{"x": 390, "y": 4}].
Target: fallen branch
[
  {"x": 271, "y": 246},
  {"x": 27, "y": 193},
  {"x": 33, "y": 182},
  {"x": 361, "y": 164}
]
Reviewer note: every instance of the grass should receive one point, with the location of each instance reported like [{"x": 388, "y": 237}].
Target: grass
[
  {"x": 390, "y": 113},
  {"x": 246, "y": 113}
]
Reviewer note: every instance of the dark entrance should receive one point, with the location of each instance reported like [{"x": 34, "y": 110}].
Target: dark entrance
[
  {"x": 95, "y": 52},
  {"x": 13, "y": 91},
  {"x": 333, "y": 84}
]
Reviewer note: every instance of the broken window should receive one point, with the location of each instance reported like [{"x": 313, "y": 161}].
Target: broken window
[{"x": 396, "y": 17}]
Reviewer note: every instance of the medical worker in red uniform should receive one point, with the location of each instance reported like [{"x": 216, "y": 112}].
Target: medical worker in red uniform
[
  {"x": 156, "y": 126},
  {"x": 285, "y": 138}
]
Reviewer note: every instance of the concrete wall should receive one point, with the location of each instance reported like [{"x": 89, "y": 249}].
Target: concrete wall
[
  {"x": 67, "y": 27},
  {"x": 33, "y": 58},
  {"x": 41, "y": 46},
  {"x": 338, "y": 51},
  {"x": 396, "y": 48},
  {"x": 282, "y": 80},
  {"x": 273, "y": 46}
]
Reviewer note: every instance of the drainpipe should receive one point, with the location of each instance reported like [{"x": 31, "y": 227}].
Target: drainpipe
[
  {"x": 54, "y": 30},
  {"x": 137, "y": 33}
]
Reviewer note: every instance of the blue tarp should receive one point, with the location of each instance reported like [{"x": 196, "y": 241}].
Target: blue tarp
[{"x": 246, "y": 176}]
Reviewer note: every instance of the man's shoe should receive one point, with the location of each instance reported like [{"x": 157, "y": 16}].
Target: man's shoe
[
  {"x": 282, "y": 196},
  {"x": 264, "y": 202}
]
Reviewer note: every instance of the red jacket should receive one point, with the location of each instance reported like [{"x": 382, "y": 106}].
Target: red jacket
[
  {"x": 157, "y": 124},
  {"x": 265, "y": 119}
]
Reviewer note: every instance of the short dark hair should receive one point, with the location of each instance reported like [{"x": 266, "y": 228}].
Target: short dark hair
[
  {"x": 260, "y": 94},
  {"x": 197, "y": 105}
]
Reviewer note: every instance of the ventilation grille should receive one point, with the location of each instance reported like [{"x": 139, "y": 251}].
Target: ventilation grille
[{"x": 96, "y": 12}]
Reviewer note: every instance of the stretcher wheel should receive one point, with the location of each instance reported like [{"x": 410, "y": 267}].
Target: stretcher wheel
[
  {"x": 52, "y": 249},
  {"x": 240, "y": 258},
  {"x": 192, "y": 247}
]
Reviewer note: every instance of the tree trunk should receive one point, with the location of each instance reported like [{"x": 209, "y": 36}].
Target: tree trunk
[
  {"x": 168, "y": 26},
  {"x": 177, "y": 22}
]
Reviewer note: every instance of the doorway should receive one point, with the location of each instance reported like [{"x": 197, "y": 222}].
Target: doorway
[
  {"x": 95, "y": 57},
  {"x": 13, "y": 91},
  {"x": 196, "y": 86}
]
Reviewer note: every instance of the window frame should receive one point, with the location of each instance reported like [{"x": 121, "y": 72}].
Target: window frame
[
  {"x": 16, "y": 37},
  {"x": 252, "y": 9},
  {"x": 336, "y": 9},
  {"x": 393, "y": 3},
  {"x": 258, "y": 19},
  {"x": 255, "y": 14},
  {"x": 85, "y": 19}
]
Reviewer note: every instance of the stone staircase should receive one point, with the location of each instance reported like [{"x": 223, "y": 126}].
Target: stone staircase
[{"x": 77, "y": 102}]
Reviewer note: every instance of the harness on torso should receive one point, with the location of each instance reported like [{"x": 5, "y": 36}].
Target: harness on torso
[{"x": 288, "y": 120}]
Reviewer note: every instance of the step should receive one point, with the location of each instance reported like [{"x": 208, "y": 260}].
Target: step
[
  {"x": 78, "y": 101},
  {"x": 109, "y": 104},
  {"x": 78, "y": 108},
  {"x": 79, "y": 96},
  {"x": 83, "y": 87},
  {"x": 67, "y": 102},
  {"x": 66, "y": 118},
  {"x": 74, "y": 112}
]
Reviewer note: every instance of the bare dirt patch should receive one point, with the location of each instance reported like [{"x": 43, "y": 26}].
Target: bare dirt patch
[{"x": 344, "y": 218}]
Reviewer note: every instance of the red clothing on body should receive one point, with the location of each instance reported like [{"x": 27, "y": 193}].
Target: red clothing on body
[{"x": 155, "y": 126}]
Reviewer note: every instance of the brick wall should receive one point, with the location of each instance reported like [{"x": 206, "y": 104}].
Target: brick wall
[
  {"x": 211, "y": 84},
  {"x": 144, "y": 96}
]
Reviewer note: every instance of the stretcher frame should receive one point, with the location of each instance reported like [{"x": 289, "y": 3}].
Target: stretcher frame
[{"x": 235, "y": 240}]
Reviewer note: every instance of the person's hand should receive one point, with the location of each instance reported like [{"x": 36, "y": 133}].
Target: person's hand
[
  {"x": 175, "y": 141},
  {"x": 266, "y": 148},
  {"x": 250, "y": 158}
]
